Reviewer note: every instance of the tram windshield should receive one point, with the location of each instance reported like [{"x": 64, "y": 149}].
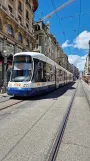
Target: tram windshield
[{"x": 22, "y": 69}]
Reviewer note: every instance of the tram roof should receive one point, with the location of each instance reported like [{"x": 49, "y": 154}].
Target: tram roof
[
  {"x": 42, "y": 57},
  {"x": 33, "y": 54}
]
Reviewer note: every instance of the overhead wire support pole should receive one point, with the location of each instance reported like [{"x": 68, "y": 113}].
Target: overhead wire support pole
[{"x": 58, "y": 9}]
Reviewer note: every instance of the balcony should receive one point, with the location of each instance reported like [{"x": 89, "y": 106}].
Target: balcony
[
  {"x": 2, "y": 6},
  {"x": 28, "y": 4},
  {"x": 20, "y": 10},
  {"x": 12, "y": 15},
  {"x": 11, "y": 2},
  {"x": 1, "y": 1}
]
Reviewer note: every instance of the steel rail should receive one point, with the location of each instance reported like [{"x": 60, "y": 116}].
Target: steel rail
[
  {"x": 9, "y": 105},
  {"x": 57, "y": 142},
  {"x": 5, "y": 100}
]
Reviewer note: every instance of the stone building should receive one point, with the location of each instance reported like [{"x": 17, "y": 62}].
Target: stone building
[
  {"x": 62, "y": 58},
  {"x": 16, "y": 31},
  {"x": 74, "y": 70},
  {"x": 87, "y": 64},
  {"x": 47, "y": 44}
]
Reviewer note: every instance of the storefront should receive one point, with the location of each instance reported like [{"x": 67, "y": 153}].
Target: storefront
[{"x": 7, "y": 50}]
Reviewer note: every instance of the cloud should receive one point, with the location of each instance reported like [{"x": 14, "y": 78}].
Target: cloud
[
  {"x": 80, "y": 42},
  {"x": 78, "y": 61},
  {"x": 66, "y": 44}
]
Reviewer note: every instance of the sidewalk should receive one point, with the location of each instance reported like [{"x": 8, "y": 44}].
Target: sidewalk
[{"x": 3, "y": 95}]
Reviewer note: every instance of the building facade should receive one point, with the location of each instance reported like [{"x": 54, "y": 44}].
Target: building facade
[
  {"x": 87, "y": 66},
  {"x": 47, "y": 44},
  {"x": 74, "y": 70},
  {"x": 62, "y": 58},
  {"x": 87, "y": 63},
  {"x": 16, "y": 31},
  {"x": 43, "y": 39}
]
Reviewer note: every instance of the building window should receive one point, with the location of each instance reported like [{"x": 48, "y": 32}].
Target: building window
[
  {"x": 19, "y": 17},
  {"x": 36, "y": 46},
  {"x": 27, "y": 2},
  {"x": 27, "y": 43},
  {"x": 10, "y": 30},
  {"x": 1, "y": 45},
  {"x": 0, "y": 24},
  {"x": 20, "y": 37},
  {"x": 27, "y": 15},
  {"x": 36, "y": 37},
  {"x": 30, "y": 6},
  {"x": 10, "y": 8},
  {"x": 27, "y": 25},
  {"x": 19, "y": 6}
]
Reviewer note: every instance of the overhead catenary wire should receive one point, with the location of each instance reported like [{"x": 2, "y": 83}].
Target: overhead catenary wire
[
  {"x": 57, "y": 9},
  {"x": 79, "y": 21},
  {"x": 77, "y": 14},
  {"x": 54, "y": 6}
]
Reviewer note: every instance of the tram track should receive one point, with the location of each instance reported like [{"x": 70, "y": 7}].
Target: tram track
[
  {"x": 32, "y": 127},
  {"x": 58, "y": 140},
  {"x": 8, "y": 103},
  {"x": 4, "y": 100},
  {"x": 56, "y": 145}
]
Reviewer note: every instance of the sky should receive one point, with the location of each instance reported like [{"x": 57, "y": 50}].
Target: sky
[{"x": 70, "y": 26}]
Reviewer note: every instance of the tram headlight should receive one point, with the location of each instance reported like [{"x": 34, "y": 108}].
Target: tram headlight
[{"x": 9, "y": 84}]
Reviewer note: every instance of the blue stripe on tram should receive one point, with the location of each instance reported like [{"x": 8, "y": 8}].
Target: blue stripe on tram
[{"x": 29, "y": 91}]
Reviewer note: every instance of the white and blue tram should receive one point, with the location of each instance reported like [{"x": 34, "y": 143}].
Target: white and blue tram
[{"x": 34, "y": 73}]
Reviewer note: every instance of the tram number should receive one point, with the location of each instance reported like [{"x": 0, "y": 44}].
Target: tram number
[
  {"x": 17, "y": 84},
  {"x": 38, "y": 84}
]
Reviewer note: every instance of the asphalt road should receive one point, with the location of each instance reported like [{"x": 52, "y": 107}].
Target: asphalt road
[
  {"x": 75, "y": 144},
  {"x": 28, "y": 129}
]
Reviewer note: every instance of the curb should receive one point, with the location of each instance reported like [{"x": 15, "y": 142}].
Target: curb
[{"x": 3, "y": 95}]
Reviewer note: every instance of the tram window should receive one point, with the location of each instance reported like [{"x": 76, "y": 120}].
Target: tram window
[
  {"x": 50, "y": 73},
  {"x": 60, "y": 75},
  {"x": 37, "y": 71},
  {"x": 43, "y": 72},
  {"x": 22, "y": 59},
  {"x": 65, "y": 76}
]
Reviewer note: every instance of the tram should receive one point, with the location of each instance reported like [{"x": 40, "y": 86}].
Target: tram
[{"x": 34, "y": 74}]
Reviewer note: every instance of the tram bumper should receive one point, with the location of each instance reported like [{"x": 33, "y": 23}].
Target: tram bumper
[{"x": 20, "y": 91}]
